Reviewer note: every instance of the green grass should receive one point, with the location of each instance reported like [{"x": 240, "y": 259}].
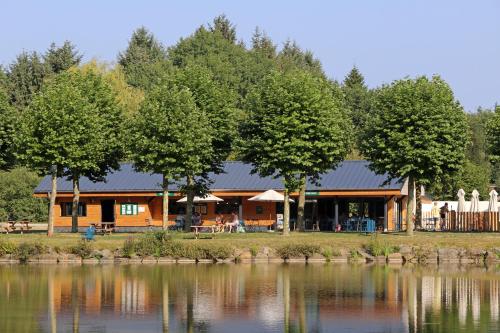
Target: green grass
[{"x": 275, "y": 240}]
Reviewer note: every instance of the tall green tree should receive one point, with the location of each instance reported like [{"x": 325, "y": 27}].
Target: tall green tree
[
  {"x": 493, "y": 145},
  {"x": 418, "y": 132},
  {"x": 8, "y": 120},
  {"x": 292, "y": 56},
  {"x": 217, "y": 102},
  {"x": 297, "y": 128},
  {"x": 171, "y": 136},
  {"x": 262, "y": 44},
  {"x": 17, "y": 202},
  {"x": 25, "y": 78},
  {"x": 143, "y": 59},
  {"x": 223, "y": 26},
  {"x": 72, "y": 129},
  {"x": 59, "y": 59},
  {"x": 230, "y": 64},
  {"x": 357, "y": 98}
]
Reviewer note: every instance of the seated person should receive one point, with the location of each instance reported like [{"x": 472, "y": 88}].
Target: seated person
[
  {"x": 235, "y": 221},
  {"x": 219, "y": 221},
  {"x": 196, "y": 218}
]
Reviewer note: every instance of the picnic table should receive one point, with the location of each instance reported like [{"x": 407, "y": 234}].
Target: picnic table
[
  {"x": 11, "y": 226},
  {"x": 358, "y": 224},
  {"x": 106, "y": 228},
  {"x": 196, "y": 229}
]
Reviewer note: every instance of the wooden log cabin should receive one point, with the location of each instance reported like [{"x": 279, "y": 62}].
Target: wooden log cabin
[{"x": 132, "y": 200}]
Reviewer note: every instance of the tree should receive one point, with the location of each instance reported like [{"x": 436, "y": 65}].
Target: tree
[
  {"x": 25, "y": 78},
  {"x": 292, "y": 56},
  {"x": 16, "y": 197},
  {"x": 262, "y": 44},
  {"x": 231, "y": 64},
  {"x": 418, "y": 131},
  {"x": 223, "y": 26},
  {"x": 73, "y": 129},
  {"x": 357, "y": 98},
  {"x": 59, "y": 59},
  {"x": 142, "y": 59},
  {"x": 217, "y": 103},
  {"x": 8, "y": 119},
  {"x": 170, "y": 136},
  {"x": 129, "y": 98},
  {"x": 296, "y": 129}
]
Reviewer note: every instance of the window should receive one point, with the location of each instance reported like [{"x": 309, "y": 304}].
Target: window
[
  {"x": 129, "y": 209},
  {"x": 67, "y": 209},
  {"x": 259, "y": 210},
  {"x": 201, "y": 208}
]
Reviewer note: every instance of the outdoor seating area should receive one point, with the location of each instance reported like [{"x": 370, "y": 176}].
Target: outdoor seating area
[
  {"x": 359, "y": 224},
  {"x": 16, "y": 226}
]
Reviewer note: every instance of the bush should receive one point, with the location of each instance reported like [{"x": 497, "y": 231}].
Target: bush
[
  {"x": 297, "y": 250},
  {"x": 376, "y": 247},
  {"x": 83, "y": 249},
  {"x": 6, "y": 248},
  {"x": 354, "y": 255},
  {"x": 254, "y": 250},
  {"x": 27, "y": 250},
  {"x": 128, "y": 247}
]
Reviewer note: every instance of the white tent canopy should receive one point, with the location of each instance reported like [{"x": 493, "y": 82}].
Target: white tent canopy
[
  {"x": 207, "y": 198},
  {"x": 493, "y": 203},
  {"x": 269, "y": 196},
  {"x": 461, "y": 201},
  {"x": 474, "y": 201}
]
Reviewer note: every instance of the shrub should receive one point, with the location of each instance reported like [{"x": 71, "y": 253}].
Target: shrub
[
  {"x": 254, "y": 250},
  {"x": 26, "y": 250},
  {"x": 376, "y": 247},
  {"x": 297, "y": 250},
  {"x": 148, "y": 245},
  {"x": 6, "y": 247},
  {"x": 83, "y": 249},
  {"x": 128, "y": 247},
  {"x": 354, "y": 255}
]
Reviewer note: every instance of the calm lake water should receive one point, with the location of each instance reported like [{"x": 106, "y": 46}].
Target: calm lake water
[{"x": 248, "y": 298}]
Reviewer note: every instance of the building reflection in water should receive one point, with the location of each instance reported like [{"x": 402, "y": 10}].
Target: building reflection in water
[{"x": 248, "y": 298}]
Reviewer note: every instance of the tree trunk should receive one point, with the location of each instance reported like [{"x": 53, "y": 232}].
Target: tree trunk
[
  {"x": 409, "y": 206},
  {"x": 76, "y": 200},
  {"x": 52, "y": 202},
  {"x": 418, "y": 208},
  {"x": 286, "y": 214},
  {"x": 301, "y": 203},
  {"x": 164, "y": 223},
  {"x": 189, "y": 203}
]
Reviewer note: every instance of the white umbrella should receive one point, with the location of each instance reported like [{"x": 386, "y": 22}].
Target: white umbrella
[
  {"x": 493, "y": 204},
  {"x": 474, "y": 202},
  {"x": 461, "y": 201},
  {"x": 269, "y": 196},
  {"x": 207, "y": 198}
]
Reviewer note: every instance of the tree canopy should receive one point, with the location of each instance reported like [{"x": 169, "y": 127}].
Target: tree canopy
[
  {"x": 143, "y": 59},
  {"x": 295, "y": 127},
  {"x": 171, "y": 136},
  {"x": 8, "y": 119},
  {"x": 357, "y": 98},
  {"x": 73, "y": 124},
  {"x": 59, "y": 59},
  {"x": 418, "y": 131}
]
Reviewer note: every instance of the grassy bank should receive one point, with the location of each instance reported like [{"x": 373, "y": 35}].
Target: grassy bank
[{"x": 249, "y": 240}]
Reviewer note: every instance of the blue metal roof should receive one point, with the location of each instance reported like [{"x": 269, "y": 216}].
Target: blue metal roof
[{"x": 350, "y": 175}]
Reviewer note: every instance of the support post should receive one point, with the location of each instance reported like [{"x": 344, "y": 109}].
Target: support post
[
  {"x": 386, "y": 221},
  {"x": 336, "y": 214}
]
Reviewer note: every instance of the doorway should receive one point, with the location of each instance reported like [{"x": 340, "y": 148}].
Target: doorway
[{"x": 108, "y": 211}]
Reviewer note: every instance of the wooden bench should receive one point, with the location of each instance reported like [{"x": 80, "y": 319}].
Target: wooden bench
[{"x": 11, "y": 226}]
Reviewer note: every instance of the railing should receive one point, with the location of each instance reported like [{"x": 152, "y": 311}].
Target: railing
[{"x": 464, "y": 221}]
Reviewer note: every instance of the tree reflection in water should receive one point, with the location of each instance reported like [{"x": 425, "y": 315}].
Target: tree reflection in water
[{"x": 249, "y": 298}]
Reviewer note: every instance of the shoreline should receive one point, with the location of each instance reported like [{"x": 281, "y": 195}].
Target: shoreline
[{"x": 411, "y": 256}]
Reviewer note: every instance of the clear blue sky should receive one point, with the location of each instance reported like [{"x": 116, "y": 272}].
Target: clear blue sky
[{"x": 387, "y": 40}]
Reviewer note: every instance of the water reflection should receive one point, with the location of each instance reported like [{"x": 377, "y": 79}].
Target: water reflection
[{"x": 248, "y": 298}]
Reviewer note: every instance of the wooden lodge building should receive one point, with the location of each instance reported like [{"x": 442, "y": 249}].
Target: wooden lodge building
[{"x": 132, "y": 200}]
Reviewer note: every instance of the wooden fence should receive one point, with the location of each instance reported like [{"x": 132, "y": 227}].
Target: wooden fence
[{"x": 464, "y": 221}]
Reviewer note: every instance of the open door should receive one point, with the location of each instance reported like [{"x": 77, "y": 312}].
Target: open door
[{"x": 108, "y": 211}]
